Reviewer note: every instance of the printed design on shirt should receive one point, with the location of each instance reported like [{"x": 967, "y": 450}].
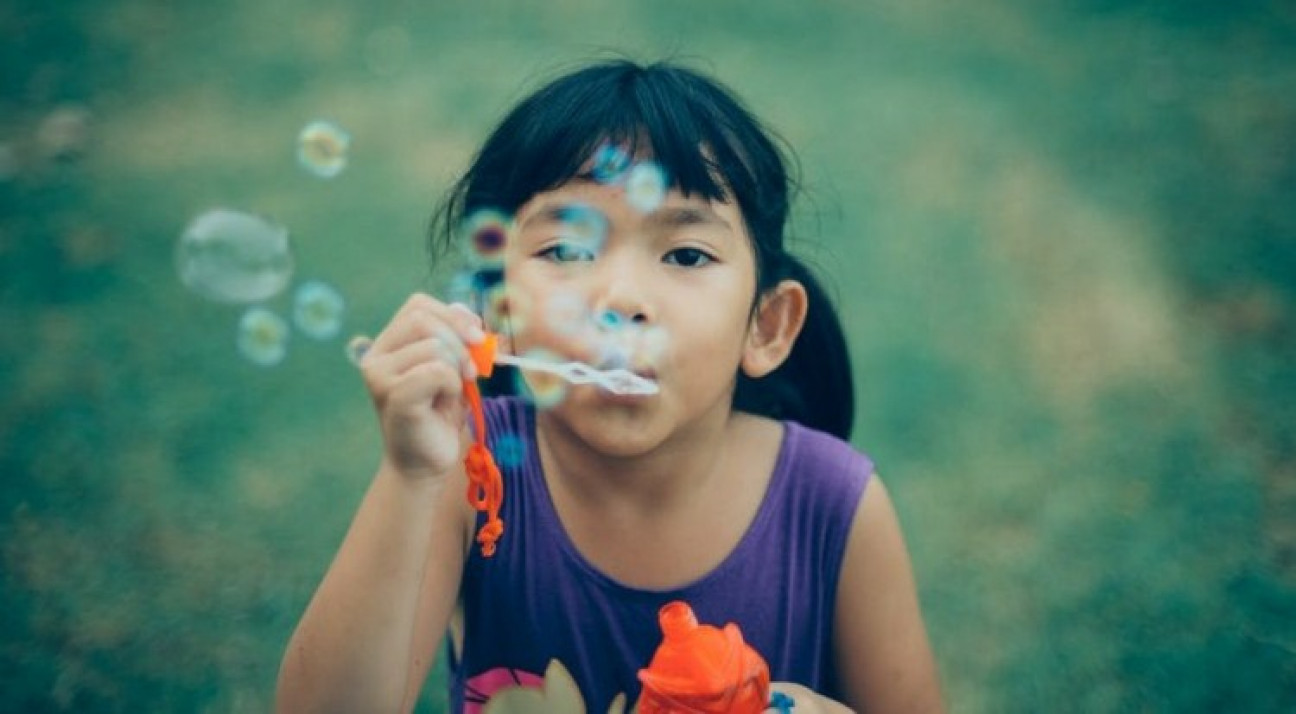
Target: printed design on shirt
[{"x": 504, "y": 690}]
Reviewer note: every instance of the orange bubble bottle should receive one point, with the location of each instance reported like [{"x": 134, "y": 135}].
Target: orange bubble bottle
[{"x": 702, "y": 669}]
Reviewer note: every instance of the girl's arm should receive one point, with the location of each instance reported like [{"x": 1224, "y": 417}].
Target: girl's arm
[
  {"x": 366, "y": 640},
  {"x": 883, "y": 656}
]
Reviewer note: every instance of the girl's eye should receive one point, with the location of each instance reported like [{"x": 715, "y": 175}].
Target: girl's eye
[
  {"x": 567, "y": 253},
  {"x": 687, "y": 258}
]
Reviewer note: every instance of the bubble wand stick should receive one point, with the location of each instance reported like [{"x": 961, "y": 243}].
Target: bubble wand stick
[{"x": 617, "y": 381}]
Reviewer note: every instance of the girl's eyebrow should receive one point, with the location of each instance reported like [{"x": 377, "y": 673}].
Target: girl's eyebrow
[
  {"x": 681, "y": 216},
  {"x": 666, "y": 216},
  {"x": 550, "y": 213}
]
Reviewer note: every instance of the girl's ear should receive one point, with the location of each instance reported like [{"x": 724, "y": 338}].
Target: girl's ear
[{"x": 774, "y": 328}]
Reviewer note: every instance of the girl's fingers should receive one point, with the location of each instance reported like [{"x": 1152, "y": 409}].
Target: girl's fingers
[
  {"x": 467, "y": 323},
  {"x": 437, "y": 380},
  {"x": 422, "y": 317},
  {"x": 444, "y": 347}
]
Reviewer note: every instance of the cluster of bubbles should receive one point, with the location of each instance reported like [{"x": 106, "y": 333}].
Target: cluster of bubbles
[
  {"x": 644, "y": 181},
  {"x": 231, "y": 256},
  {"x": 610, "y": 339}
]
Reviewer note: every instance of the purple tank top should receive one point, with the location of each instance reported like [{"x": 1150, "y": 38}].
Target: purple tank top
[{"x": 546, "y": 628}]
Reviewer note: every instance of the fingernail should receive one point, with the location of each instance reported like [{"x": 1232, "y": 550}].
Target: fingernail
[{"x": 475, "y": 334}]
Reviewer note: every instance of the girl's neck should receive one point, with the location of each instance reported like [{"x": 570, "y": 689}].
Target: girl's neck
[{"x": 680, "y": 468}]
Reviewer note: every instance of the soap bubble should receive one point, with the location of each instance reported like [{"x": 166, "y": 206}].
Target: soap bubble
[
  {"x": 487, "y": 232},
  {"x": 610, "y": 164},
  {"x": 543, "y": 389},
  {"x": 462, "y": 288},
  {"x": 566, "y": 313},
  {"x": 650, "y": 348},
  {"x": 262, "y": 337},
  {"x": 502, "y": 311},
  {"x": 357, "y": 347},
  {"x": 322, "y": 148},
  {"x": 510, "y": 450},
  {"x": 317, "y": 309},
  {"x": 230, "y": 256},
  {"x": 613, "y": 339},
  {"x": 645, "y": 187},
  {"x": 610, "y": 320},
  {"x": 584, "y": 226}
]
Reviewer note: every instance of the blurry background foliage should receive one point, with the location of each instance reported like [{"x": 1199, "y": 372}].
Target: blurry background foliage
[{"x": 1063, "y": 236}]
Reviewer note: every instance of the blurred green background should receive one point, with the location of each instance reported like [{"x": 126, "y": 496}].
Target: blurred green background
[{"x": 1063, "y": 236}]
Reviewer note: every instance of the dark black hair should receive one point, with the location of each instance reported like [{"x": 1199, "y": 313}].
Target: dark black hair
[{"x": 709, "y": 145}]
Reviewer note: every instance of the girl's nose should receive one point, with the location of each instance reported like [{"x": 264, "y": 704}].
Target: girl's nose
[{"x": 622, "y": 294}]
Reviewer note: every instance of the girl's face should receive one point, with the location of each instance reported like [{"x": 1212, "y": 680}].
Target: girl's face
[{"x": 666, "y": 293}]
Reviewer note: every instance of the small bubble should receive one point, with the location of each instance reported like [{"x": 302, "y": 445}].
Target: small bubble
[
  {"x": 487, "y": 231},
  {"x": 502, "y": 311},
  {"x": 610, "y": 164},
  {"x": 650, "y": 348},
  {"x": 262, "y": 337},
  {"x": 230, "y": 256},
  {"x": 357, "y": 347},
  {"x": 646, "y": 187},
  {"x": 566, "y": 313},
  {"x": 317, "y": 310},
  {"x": 613, "y": 342},
  {"x": 510, "y": 450},
  {"x": 583, "y": 225},
  {"x": 610, "y": 320},
  {"x": 461, "y": 288},
  {"x": 322, "y": 148},
  {"x": 543, "y": 389}
]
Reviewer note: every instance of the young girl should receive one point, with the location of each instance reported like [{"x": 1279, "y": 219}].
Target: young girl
[{"x": 646, "y": 215}]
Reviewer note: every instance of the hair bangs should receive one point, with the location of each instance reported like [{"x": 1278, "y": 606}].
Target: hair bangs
[{"x": 651, "y": 113}]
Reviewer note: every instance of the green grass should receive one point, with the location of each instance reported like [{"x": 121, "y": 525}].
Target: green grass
[{"x": 1061, "y": 236}]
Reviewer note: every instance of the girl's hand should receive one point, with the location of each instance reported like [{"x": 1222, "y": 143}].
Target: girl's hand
[
  {"x": 806, "y": 701},
  {"x": 414, "y": 371}
]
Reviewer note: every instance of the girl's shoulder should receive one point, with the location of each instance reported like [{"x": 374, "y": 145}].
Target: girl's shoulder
[
  {"x": 823, "y": 455},
  {"x": 811, "y": 468}
]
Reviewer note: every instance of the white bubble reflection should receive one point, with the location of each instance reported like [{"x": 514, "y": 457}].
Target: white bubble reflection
[{"x": 231, "y": 256}]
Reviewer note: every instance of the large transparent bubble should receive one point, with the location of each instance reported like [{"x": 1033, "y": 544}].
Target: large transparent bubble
[{"x": 231, "y": 256}]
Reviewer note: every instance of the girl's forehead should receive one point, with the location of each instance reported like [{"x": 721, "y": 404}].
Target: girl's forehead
[{"x": 611, "y": 199}]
